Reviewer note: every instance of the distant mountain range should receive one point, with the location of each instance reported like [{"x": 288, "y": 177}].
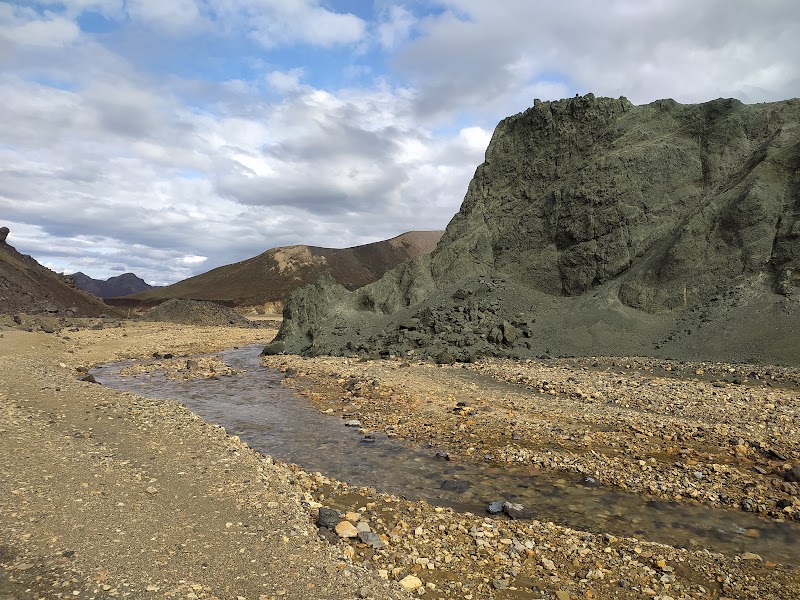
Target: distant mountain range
[
  {"x": 28, "y": 287},
  {"x": 263, "y": 282},
  {"x": 121, "y": 285}
]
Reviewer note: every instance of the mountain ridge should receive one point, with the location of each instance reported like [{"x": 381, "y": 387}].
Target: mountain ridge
[{"x": 264, "y": 281}]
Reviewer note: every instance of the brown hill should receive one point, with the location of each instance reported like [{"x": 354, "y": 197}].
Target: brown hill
[
  {"x": 264, "y": 281},
  {"x": 28, "y": 287}
]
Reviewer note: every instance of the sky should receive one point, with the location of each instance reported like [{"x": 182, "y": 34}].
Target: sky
[{"x": 169, "y": 137}]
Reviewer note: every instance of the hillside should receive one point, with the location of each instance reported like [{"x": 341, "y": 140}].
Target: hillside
[
  {"x": 598, "y": 227},
  {"x": 121, "y": 285},
  {"x": 28, "y": 287},
  {"x": 264, "y": 281}
]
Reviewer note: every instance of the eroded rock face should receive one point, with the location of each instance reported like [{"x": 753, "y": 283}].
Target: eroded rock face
[
  {"x": 652, "y": 212},
  {"x": 4, "y": 231}
]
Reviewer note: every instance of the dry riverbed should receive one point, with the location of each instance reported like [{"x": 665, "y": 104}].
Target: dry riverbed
[{"x": 106, "y": 494}]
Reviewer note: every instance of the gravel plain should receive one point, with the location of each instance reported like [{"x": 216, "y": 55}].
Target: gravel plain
[{"x": 106, "y": 494}]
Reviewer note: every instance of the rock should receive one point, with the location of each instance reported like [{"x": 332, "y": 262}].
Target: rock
[
  {"x": 562, "y": 595},
  {"x": 443, "y": 455},
  {"x": 455, "y": 485},
  {"x": 530, "y": 214},
  {"x": 352, "y": 423},
  {"x": 4, "y": 231},
  {"x": 495, "y": 508},
  {"x": 151, "y": 490},
  {"x": 192, "y": 364},
  {"x": 514, "y": 510},
  {"x": 48, "y": 328},
  {"x": 345, "y": 529},
  {"x": 371, "y": 539},
  {"x": 792, "y": 475},
  {"x": 751, "y": 556},
  {"x": 89, "y": 379},
  {"x": 500, "y": 584},
  {"x": 410, "y": 583},
  {"x": 328, "y": 518}
]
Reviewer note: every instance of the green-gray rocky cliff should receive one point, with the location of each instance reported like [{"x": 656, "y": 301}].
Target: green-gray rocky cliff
[{"x": 597, "y": 227}]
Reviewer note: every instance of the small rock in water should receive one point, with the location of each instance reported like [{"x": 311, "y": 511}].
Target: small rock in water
[
  {"x": 514, "y": 510},
  {"x": 589, "y": 481},
  {"x": 751, "y": 556},
  {"x": 328, "y": 517},
  {"x": 495, "y": 508},
  {"x": 443, "y": 455},
  {"x": 368, "y": 439},
  {"x": 89, "y": 379},
  {"x": 455, "y": 485},
  {"x": 352, "y": 423}
]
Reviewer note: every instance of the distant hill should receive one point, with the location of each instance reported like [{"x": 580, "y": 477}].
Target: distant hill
[
  {"x": 121, "y": 285},
  {"x": 264, "y": 281},
  {"x": 28, "y": 287}
]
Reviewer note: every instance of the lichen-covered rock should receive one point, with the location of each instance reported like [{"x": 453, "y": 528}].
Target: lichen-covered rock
[{"x": 598, "y": 226}]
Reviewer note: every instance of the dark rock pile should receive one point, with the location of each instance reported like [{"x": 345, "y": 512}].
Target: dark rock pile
[{"x": 194, "y": 312}]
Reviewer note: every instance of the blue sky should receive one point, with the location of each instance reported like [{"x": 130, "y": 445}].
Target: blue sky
[{"x": 168, "y": 137}]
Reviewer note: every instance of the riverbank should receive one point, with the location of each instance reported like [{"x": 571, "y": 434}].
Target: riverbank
[
  {"x": 665, "y": 431},
  {"x": 109, "y": 495}
]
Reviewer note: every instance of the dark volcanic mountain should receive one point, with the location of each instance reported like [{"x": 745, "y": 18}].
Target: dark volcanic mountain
[
  {"x": 28, "y": 287},
  {"x": 266, "y": 280},
  {"x": 121, "y": 285},
  {"x": 598, "y": 227}
]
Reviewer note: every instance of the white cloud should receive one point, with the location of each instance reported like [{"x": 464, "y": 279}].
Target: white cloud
[
  {"x": 396, "y": 28},
  {"x": 24, "y": 27}
]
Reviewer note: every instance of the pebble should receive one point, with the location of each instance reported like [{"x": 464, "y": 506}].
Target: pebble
[
  {"x": 410, "y": 583},
  {"x": 346, "y": 529}
]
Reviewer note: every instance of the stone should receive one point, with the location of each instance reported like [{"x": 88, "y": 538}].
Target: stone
[
  {"x": 792, "y": 475},
  {"x": 751, "y": 556},
  {"x": 328, "y": 518},
  {"x": 352, "y": 423},
  {"x": 495, "y": 508},
  {"x": 89, "y": 379},
  {"x": 455, "y": 485},
  {"x": 345, "y": 529},
  {"x": 562, "y": 595},
  {"x": 371, "y": 539},
  {"x": 500, "y": 584},
  {"x": 4, "y": 231},
  {"x": 515, "y": 510},
  {"x": 410, "y": 583},
  {"x": 192, "y": 364}
]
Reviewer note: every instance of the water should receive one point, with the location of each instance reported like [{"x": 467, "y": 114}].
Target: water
[{"x": 256, "y": 407}]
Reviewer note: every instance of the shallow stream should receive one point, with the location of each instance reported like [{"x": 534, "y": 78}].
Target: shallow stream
[{"x": 271, "y": 419}]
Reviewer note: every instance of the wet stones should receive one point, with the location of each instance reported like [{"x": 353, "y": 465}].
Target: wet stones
[
  {"x": 455, "y": 485},
  {"x": 328, "y": 518}
]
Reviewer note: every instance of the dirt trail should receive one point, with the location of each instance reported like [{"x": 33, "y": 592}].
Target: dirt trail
[{"x": 109, "y": 495}]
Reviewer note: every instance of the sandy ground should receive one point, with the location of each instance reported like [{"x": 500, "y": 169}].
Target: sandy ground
[
  {"x": 108, "y": 495},
  {"x": 105, "y": 494}
]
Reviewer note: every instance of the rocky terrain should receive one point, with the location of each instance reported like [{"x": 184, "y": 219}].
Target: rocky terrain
[
  {"x": 28, "y": 287},
  {"x": 121, "y": 285},
  {"x": 598, "y": 227},
  {"x": 263, "y": 282},
  {"x": 195, "y": 312},
  {"x": 106, "y": 494}
]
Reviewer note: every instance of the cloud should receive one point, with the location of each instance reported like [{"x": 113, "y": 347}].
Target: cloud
[{"x": 118, "y": 150}]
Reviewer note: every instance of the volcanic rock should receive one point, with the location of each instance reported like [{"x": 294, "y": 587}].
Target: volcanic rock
[{"x": 597, "y": 227}]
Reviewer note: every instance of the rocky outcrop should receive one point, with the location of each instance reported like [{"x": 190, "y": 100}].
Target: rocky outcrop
[
  {"x": 602, "y": 217},
  {"x": 28, "y": 287}
]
